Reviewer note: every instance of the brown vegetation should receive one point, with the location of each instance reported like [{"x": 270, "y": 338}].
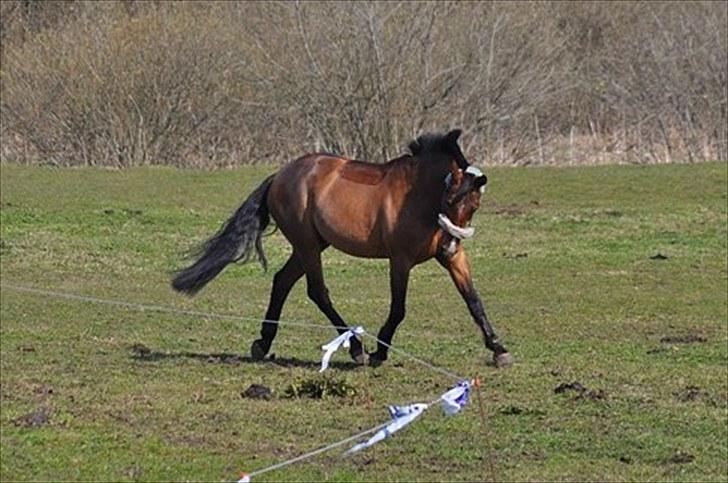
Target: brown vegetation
[{"x": 217, "y": 84}]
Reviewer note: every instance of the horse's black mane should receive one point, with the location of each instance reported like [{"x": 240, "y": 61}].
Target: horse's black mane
[
  {"x": 438, "y": 143},
  {"x": 429, "y": 143}
]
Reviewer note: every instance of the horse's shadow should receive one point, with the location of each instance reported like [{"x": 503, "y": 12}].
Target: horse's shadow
[{"x": 142, "y": 353}]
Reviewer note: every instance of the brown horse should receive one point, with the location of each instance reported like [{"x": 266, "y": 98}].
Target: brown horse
[{"x": 408, "y": 210}]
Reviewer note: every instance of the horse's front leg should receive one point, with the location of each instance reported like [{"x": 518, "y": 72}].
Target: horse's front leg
[
  {"x": 459, "y": 270},
  {"x": 398, "y": 278}
]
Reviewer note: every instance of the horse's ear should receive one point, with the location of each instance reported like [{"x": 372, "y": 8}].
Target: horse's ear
[
  {"x": 452, "y": 136},
  {"x": 451, "y": 143}
]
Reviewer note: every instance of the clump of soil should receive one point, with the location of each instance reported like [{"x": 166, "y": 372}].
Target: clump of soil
[
  {"x": 140, "y": 350},
  {"x": 257, "y": 391},
  {"x": 569, "y": 386},
  {"x": 690, "y": 393},
  {"x": 581, "y": 391},
  {"x": 515, "y": 256},
  {"x": 511, "y": 410},
  {"x": 321, "y": 387},
  {"x": 681, "y": 457},
  {"x": 34, "y": 419},
  {"x": 683, "y": 339},
  {"x": 517, "y": 411}
]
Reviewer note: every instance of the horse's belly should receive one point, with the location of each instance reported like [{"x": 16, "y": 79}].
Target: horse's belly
[
  {"x": 355, "y": 235},
  {"x": 360, "y": 250}
]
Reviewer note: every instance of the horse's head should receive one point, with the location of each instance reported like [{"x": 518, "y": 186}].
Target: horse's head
[
  {"x": 464, "y": 185},
  {"x": 461, "y": 198},
  {"x": 463, "y": 189}
]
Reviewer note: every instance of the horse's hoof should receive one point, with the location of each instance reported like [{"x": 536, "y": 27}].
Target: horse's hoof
[
  {"x": 361, "y": 358},
  {"x": 503, "y": 360},
  {"x": 376, "y": 360},
  {"x": 257, "y": 353}
]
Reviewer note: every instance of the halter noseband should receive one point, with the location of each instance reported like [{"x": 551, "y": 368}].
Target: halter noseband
[{"x": 454, "y": 230}]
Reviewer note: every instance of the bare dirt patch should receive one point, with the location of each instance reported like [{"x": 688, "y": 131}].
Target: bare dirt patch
[
  {"x": 683, "y": 339},
  {"x": 580, "y": 391},
  {"x": 34, "y": 419},
  {"x": 257, "y": 391}
]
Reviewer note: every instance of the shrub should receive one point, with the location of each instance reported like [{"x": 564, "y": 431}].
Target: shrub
[{"x": 221, "y": 83}]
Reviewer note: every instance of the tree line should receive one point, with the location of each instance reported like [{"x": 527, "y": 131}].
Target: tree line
[{"x": 213, "y": 84}]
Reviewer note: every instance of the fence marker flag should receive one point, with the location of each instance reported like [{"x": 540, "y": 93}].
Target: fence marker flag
[
  {"x": 334, "y": 345},
  {"x": 456, "y": 398},
  {"x": 401, "y": 417}
]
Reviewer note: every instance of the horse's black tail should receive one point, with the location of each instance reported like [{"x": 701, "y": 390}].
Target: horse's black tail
[{"x": 233, "y": 242}]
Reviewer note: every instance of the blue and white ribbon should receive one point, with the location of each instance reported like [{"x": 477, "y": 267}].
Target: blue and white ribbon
[
  {"x": 456, "y": 398},
  {"x": 334, "y": 345},
  {"x": 401, "y": 417}
]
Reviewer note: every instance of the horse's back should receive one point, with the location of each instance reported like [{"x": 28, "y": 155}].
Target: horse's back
[
  {"x": 334, "y": 199},
  {"x": 364, "y": 173}
]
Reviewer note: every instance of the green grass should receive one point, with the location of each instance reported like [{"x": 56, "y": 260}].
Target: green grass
[{"x": 561, "y": 257}]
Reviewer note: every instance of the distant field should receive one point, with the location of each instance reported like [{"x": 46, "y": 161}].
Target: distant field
[{"x": 565, "y": 259}]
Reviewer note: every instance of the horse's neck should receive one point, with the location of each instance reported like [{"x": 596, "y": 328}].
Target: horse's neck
[
  {"x": 427, "y": 181},
  {"x": 431, "y": 176},
  {"x": 424, "y": 175}
]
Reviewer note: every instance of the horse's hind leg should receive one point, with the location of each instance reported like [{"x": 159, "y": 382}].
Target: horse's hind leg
[
  {"x": 319, "y": 294},
  {"x": 398, "y": 278},
  {"x": 283, "y": 282}
]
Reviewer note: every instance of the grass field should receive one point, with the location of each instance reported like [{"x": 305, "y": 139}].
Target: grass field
[{"x": 563, "y": 257}]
